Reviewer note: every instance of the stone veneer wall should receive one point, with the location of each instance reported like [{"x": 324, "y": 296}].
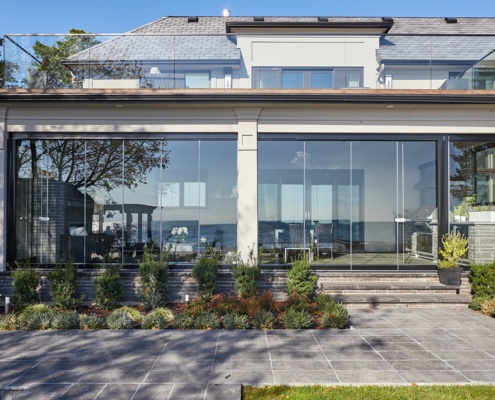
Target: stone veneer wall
[
  {"x": 180, "y": 282},
  {"x": 482, "y": 242}
]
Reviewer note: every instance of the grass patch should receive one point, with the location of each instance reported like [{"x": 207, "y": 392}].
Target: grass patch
[{"x": 369, "y": 392}]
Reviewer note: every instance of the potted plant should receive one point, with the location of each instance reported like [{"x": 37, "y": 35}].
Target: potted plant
[{"x": 454, "y": 246}]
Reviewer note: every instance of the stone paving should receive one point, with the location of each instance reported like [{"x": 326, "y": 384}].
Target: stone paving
[{"x": 383, "y": 346}]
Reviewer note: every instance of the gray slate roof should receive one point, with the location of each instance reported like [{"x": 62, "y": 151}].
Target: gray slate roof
[
  {"x": 218, "y": 49},
  {"x": 221, "y": 49},
  {"x": 438, "y": 49}
]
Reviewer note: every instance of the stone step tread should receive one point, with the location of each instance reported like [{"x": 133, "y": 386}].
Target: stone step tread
[
  {"x": 430, "y": 298},
  {"x": 380, "y": 285}
]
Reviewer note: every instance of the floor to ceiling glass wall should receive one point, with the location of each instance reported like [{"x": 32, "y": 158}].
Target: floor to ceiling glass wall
[
  {"x": 348, "y": 204},
  {"x": 472, "y": 196},
  {"x": 100, "y": 200}
]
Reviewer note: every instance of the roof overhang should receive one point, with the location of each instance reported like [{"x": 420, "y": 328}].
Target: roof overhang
[
  {"x": 295, "y": 27},
  {"x": 247, "y": 96}
]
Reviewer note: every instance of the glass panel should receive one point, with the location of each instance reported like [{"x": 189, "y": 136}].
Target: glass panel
[
  {"x": 321, "y": 80},
  {"x": 180, "y": 222},
  {"x": 197, "y": 80},
  {"x": 104, "y": 200},
  {"x": 266, "y": 78},
  {"x": 218, "y": 214},
  {"x": 327, "y": 181},
  {"x": 292, "y": 79},
  {"x": 280, "y": 200},
  {"x": 471, "y": 197},
  {"x": 373, "y": 222},
  {"x": 418, "y": 230}
]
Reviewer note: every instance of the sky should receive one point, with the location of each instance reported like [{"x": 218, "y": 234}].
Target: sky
[{"x": 119, "y": 16}]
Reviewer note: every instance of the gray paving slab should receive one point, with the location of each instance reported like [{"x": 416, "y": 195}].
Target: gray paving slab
[{"x": 399, "y": 347}]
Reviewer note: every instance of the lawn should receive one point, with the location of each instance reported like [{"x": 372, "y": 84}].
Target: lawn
[{"x": 413, "y": 392}]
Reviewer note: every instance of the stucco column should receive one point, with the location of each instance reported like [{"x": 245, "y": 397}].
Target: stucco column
[
  {"x": 247, "y": 180},
  {"x": 3, "y": 139}
]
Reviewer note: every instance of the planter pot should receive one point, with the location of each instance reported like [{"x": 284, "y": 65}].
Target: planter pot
[{"x": 450, "y": 276}]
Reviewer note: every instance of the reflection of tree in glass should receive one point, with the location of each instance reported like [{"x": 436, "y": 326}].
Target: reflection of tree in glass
[
  {"x": 464, "y": 178},
  {"x": 92, "y": 163},
  {"x": 60, "y": 72},
  {"x": 8, "y": 70}
]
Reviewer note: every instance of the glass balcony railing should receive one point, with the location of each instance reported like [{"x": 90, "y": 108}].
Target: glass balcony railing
[{"x": 248, "y": 61}]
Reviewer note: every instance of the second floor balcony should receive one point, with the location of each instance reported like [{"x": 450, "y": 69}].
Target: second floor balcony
[{"x": 249, "y": 61}]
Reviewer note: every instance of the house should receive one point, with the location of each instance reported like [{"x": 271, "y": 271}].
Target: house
[{"x": 354, "y": 140}]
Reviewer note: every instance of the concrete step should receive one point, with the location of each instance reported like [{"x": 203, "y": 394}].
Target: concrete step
[
  {"x": 404, "y": 300},
  {"x": 385, "y": 287}
]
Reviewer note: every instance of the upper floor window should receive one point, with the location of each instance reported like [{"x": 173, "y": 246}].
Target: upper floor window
[{"x": 307, "y": 78}]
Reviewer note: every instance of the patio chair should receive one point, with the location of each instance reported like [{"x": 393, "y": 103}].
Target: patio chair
[{"x": 324, "y": 238}]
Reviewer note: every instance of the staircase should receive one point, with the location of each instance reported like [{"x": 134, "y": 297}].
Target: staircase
[{"x": 398, "y": 289}]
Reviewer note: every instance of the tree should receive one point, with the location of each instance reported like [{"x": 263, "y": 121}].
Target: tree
[
  {"x": 8, "y": 69},
  {"x": 91, "y": 163},
  {"x": 52, "y": 58},
  {"x": 61, "y": 69}
]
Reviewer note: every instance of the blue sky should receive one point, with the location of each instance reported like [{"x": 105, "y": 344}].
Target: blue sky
[{"x": 117, "y": 16}]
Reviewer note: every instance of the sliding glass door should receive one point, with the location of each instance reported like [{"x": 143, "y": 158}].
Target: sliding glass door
[{"x": 348, "y": 204}]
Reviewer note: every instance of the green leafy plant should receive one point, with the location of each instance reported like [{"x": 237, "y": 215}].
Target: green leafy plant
[
  {"x": 235, "y": 321},
  {"x": 131, "y": 312},
  {"x": 453, "y": 248},
  {"x": 300, "y": 280},
  {"x": 206, "y": 320},
  {"x": 159, "y": 318},
  {"x": 66, "y": 320},
  {"x": 183, "y": 321},
  {"x": 120, "y": 321},
  {"x": 10, "y": 322},
  {"x": 205, "y": 272},
  {"x": 36, "y": 317},
  {"x": 297, "y": 319},
  {"x": 89, "y": 322},
  {"x": 63, "y": 287},
  {"x": 264, "y": 319},
  {"x": 335, "y": 316},
  {"x": 482, "y": 278},
  {"x": 25, "y": 286},
  {"x": 154, "y": 280},
  {"x": 246, "y": 275},
  {"x": 108, "y": 287}
]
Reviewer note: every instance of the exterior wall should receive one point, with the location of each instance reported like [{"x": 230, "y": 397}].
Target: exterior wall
[
  {"x": 246, "y": 122},
  {"x": 301, "y": 51}
]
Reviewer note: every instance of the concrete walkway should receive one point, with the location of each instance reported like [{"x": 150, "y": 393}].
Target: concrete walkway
[{"x": 384, "y": 347}]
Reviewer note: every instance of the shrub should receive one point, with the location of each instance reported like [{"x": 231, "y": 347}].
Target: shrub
[
  {"x": 482, "y": 278},
  {"x": 154, "y": 280},
  {"x": 264, "y": 319},
  {"x": 108, "y": 287},
  {"x": 36, "y": 316},
  {"x": 120, "y": 321},
  {"x": 297, "y": 319},
  {"x": 300, "y": 303},
  {"x": 198, "y": 306},
  {"x": 246, "y": 275},
  {"x": 131, "y": 312},
  {"x": 235, "y": 321},
  {"x": 299, "y": 278},
  {"x": 324, "y": 300},
  {"x": 25, "y": 283},
  {"x": 205, "y": 272},
  {"x": 159, "y": 318},
  {"x": 206, "y": 320},
  {"x": 266, "y": 301},
  {"x": 183, "y": 321},
  {"x": 66, "y": 320},
  {"x": 63, "y": 287},
  {"x": 452, "y": 249},
  {"x": 334, "y": 316},
  {"x": 92, "y": 321},
  {"x": 10, "y": 322}
]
